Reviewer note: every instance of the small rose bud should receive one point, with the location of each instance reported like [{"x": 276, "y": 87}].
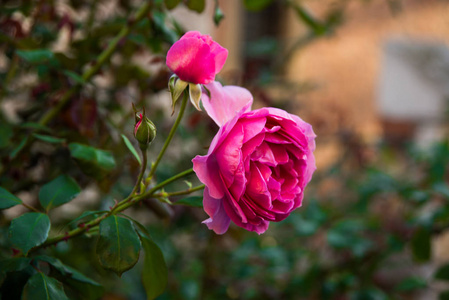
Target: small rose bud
[{"x": 144, "y": 131}]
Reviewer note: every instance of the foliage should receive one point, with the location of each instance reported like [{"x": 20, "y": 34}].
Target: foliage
[{"x": 66, "y": 135}]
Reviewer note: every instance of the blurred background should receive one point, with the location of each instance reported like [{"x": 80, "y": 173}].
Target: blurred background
[{"x": 371, "y": 76}]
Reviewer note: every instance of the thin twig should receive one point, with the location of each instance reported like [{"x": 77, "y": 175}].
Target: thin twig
[{"x": 170, "y": 136}]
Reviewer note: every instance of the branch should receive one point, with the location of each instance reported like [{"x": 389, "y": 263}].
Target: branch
[
  {"x": 118, "y": 207},
  {"x": 101, "y": 60}
]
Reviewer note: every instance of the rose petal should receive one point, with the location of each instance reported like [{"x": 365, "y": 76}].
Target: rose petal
[
  {"x": 226, "y": 102},
  {"x": 219, "y": 221}
]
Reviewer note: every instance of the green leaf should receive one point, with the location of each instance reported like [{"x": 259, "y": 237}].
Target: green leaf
[
  {"x": 118, "y": 246},
  {"x": 38, "y": 56},
  {"x": 140, "y": 226},
  {"x": 75, "y": 77},
  {"x": 6, "y": 134},
  {"x": 196, "y": 5},
  {"x": 66, "y": 270},
  {"x": 92, "y": 158},
  {"x": 411, "y": 284},
  {"x": 14, "y": 264},
  {"x": 35, "y": 126},
  {"x": 170, "y": 4},
  {"x": 310, "y": 20},
  {"x": 256, "y": 5},
  {"x": 28, "y": 231},
  {"x": 58, "y": 192},
  {"x": 154, "y": 273},
  {"x": 17, "y": 149},
  {"x": 218, "y": 14},
  {"x": 131, "y": 148},
  {"x": 49, "y": 139},
  {"x": 195, "y": 201},
  {"x": 85, "y": 215},
  {"x": 442, "y": 273},
  {"x": 85, "y": 286},
  {"x": 40, "y": 286},
  {"x": 7, "y": 199},
  {"x": 421, "y": 244}
]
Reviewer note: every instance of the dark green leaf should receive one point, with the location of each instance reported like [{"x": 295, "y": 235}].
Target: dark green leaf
[
  {"x": 196, "y": 5},
  {"x": 6, "y": 133},
  {"x": 442, "y": 273},
  {"x": 411, "y": 284},
  {"x": 218, "y": 14},
  {"x": 14, "y": 264},
  {"x": 154, "y": 274},
  {"x": 7, "y": 199},
  {"x": 85, "y": 215},
  {"x": 196, "y": 201},
  {"x": 49, "y": 139},
  {"x": 35, "y": 126},
  {"x": 58, "y": 191},
  {"x": 66, "y": 270},
  {"x": 38, "y": 56},
  {"x": 256, "y": 5},
  {"x": 28, "y": 231},
  {"x": 140, "y": 227},
  {"x": 170, "y": 4},
  {"x": 40, "y": 286},
  {"x": 91, "y": 155},
  {"x": 309, "y": 20},
  {"x": 118, "y": 246},
  {"x": 131, "y": 148},
  {"x": 421, "y": 245},
  {"x": 75, "y": 77},
  {"x": 17, "y": 149}
]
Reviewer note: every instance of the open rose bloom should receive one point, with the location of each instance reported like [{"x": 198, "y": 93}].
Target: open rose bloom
[
  {"x": 196, "y": 58},
  {"x": 257, "y": 165}
]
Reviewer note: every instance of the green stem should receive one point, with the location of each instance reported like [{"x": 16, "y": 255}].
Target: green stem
[
  {"x": 170, "y": 136},
  {"x": 101, "y": 60},
  {"x": 179, "y": 193},
  {"x": 121, "y": 206},
  {"x": 30, "y": 207},
  {"x": 124, "y": 205},
  {"x": 142, "y": 171}
]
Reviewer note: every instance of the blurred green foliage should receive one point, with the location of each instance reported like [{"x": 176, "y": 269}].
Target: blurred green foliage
[{"x": 362, "y": 233}]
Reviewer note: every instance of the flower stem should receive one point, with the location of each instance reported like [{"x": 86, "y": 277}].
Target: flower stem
[
  {"x": 119, "y": 207},
  {"x": 30, "y": 207},
  {"x": 124, "y": 205},
  {"x": 179, "y": 193},
  {"x": 170, "y": 136},
  {"x": 142, "y": 171}
]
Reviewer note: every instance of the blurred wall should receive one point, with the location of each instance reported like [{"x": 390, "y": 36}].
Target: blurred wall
[{"x": 346, "y": 67}]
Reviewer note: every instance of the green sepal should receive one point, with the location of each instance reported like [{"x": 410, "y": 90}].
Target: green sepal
[{"x": 195, "y": 95}]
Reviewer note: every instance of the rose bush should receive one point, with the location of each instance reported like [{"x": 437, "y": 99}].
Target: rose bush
[
  {"x": 196, "y": 58},
  {"x": 258, "y": 164}
]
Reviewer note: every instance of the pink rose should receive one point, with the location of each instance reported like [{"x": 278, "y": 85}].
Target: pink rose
[
  {"x": 257, "y": 165},
  {"x": 196, "y": 58}
]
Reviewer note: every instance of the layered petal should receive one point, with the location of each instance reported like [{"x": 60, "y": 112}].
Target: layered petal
[{"x": 256, "y": 168}]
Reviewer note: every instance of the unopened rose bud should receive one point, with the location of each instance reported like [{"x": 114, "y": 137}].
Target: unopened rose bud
[{"x": 144, "y": 131}]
